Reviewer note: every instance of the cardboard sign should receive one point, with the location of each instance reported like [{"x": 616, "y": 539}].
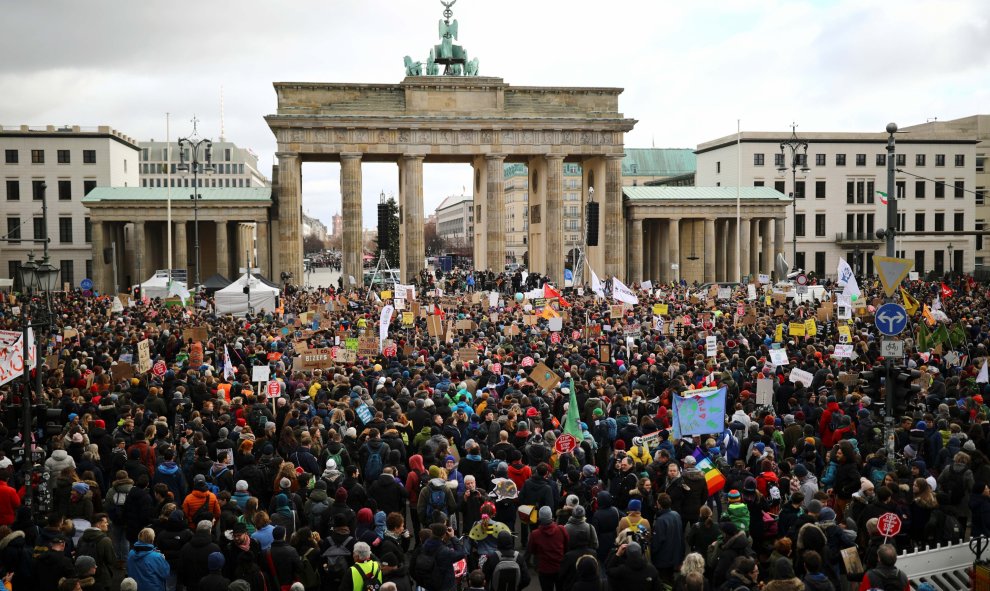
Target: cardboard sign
[
  {"x": 849, "y": 379},
  {"x": 144, "y": 356},
  {"x": 778, "y": 357},
  {"x": 844, "y": 334},
  {"x": 121, "y": 371},
  {"x": 465, "y": 324},
  {"x": 801, "y": 376},
  {"x": 311, "y": 359},
  {"x": 300, "y": 347},
  {"x": 467, "y": 354},
  {"x": 260, "y": 373},
  {"x": 434, "y": 326},
  {"x": 408, "y": 319},
  {"x": 544, "y": 377},
  {"x": 345, "y": 356},
  {"x": 615, "y": 311},
  {"x": 195, "y": 333},
  {"x": 764, "y": 391},
  {"x": 511, "y": 330},
  {"x": 69, "y": 333},
  {"x": 367, "y": 346},
  {"x": 724, "y": 293},
  {"x": 604, "y": 353}
]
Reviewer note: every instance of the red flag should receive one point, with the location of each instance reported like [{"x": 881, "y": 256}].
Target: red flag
[
  {"x": 947, "y": 291},
  {"x": 437, "y": 311},
  {"x": 549, "y": 292}
]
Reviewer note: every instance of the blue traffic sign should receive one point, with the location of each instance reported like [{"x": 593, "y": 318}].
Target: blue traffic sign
[
  {"x": 86, "y": 283},
  {"x": 891, "y": 319}
]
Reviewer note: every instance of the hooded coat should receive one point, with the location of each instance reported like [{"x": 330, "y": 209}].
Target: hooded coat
[
  {"x": 97, "y": 544},
  {"x": 148, "y": 567}
]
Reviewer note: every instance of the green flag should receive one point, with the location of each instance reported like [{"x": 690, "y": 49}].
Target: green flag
[
  {"x": 924, "y": 339},
  {"x": 572, "y": 422},
  {"x": 941, "y": 335},
  {"x": 957, "y": 335}
]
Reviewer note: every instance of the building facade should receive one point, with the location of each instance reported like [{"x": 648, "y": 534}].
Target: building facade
[
  {"x": 61, "y": 165},
  {"x": 314, "y": 227},
  {"x": 455, "y": 220},
  {"x": 233, "y": 167},
  {"x": 839, "y": 189}
]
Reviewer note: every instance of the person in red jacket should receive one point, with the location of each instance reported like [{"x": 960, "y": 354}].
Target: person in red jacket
[
  {"x": 9, "y": 500},
  {"x": 825, "y": 424},
  {"x": 548, "y": 543}
]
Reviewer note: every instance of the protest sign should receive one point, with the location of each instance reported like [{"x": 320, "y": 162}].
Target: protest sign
[
  {"x": 764, "y": 391},
  {"x": 367, "y": 346},
  {"x": 801, "y": 376},
  {"x": 711, "y": 346},
  {"x": 544, "y": 377},
  {"x": 121, "y": 371},
  {"x": 144, "y": 356},
  {"x": 778, "y": 357},
  {"x": 843, "y": 351},
  {"x": 795, "y": 329},
  {"x": 700, "y": 412},
  {"x": 345, "y": 356},
  {"x": 468, "y": 353},
  {"x": 195, "y": 333},
  {"x": 260, "y": 373},
  {"x": 810, "y": 328},
  {"x": 311, "y": 359},
  {"x": 11, "y": 355}
]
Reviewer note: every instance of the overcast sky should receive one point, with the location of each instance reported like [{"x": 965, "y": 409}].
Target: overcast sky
[{"x": 689, "y": 69}]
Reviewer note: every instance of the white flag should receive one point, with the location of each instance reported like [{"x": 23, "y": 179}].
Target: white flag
[
  {"x": 597, "y": 286},
  {"x": 622, "y": 293},
  {"x": 228, "y": 367},
  {"x": 937, "y": 304},
  {"x": 983, "y": 378},
  {"x": 385, "y": 319},
  {"x": 848, "y": 279}
]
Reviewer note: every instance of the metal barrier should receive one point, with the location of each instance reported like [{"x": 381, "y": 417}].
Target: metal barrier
[{"x": 946, "y": 567}]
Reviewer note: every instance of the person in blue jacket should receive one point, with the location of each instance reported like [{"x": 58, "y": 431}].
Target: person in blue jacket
[{"x": 145, "y": 564}]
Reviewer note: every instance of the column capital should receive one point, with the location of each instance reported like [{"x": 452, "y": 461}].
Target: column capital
[
  {"x": 351, "y": 155},
  {"x": 555, "y": 156},
  {"x": 412, "y": 157},
  {"x": 494, "y": 156},
  {"x": 286, "y": 155}
]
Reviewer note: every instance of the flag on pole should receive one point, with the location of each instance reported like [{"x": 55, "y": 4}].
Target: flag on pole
[
  {"x": 926, "y": 313},
  {"x": 622, "y": 293},
  {"x": 910, "y": 304},
  {"x": 924, "y": 338},
  {"x": 597, "y": 286},
  {"x": 549, "y": 292},
  {"x": 572, "y": 423},
  {"x": 438, "y": 311},
  {"x": 883, "y": 197},
  {"x": 947, "y": 291},
  {"x": 957, "y": 335},
  {"x": 983, "y": 378},
  {"x": 848, "y": 279},
  {"x": 941, "y": 335},
  {"x": 228, "y": 367}
]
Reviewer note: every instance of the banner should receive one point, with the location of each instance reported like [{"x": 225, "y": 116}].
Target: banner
[
  {"x": 801, "y": 376},
  {"x": 700, "y": 412},
  {"x": 144, "y": 356},
  {"x": 11, "y": 355},
  {"x": 384, "y": 321},
  {"x": 596, "y": 285},
  {"x": 622, "y": 293}
]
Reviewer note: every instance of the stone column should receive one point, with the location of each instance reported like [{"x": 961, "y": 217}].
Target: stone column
[
  {"x": 495, "y": 213},
  {"x": 350, "y": 192},
  {"x": 613, "y": 239},
  {"x": 263, "y": 261},
  {"x": 655, "y": 266},
  {"x": 744, "y": 247},
  {"x": 778, "y": 242},
  {"x": 480, "y": 208},
  {"x": 709, "y": 250},
  {"x": 663, "y": 239},
  {"x": 721, "y": 232},
  {"x": 553, "y": 223},
  {"x": 181, "y": 247},
  {"x": 732, "y": 272},
  {"x": 223, "y": 249},
  {"x": 767, "y": 248},
  {"x": 290, "y": 256},
  {"x": 413, "y": 249},
  {"x": 99, "y": 268},
  {"x": 140, "y": 247},
  {"x": 635, "y": 271},
  {"x": 754, "y": 247},
  {"x": 674, "y": 249}
]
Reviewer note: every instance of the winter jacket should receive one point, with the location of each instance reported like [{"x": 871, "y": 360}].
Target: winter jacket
[
  {"x": 548, "y": 543},
  {"x": 632, "y": 574},
  {"x": 286, "y": 561},
  {"x": 537, "y": 492},
  {"x": 94, "y": 542},
  {"x": 667, "y": 547},
  {"x": 580, "y": 524},
  {"x": 194, "y": 558},
  {"x": 197, "y": 499},
  {"x": 170, "y": 474},
  {"x": 9, "y": 502},
  {"x": 733, "y": 548},
  {"x": 695, "y": 494},
  {"x": 50, "y": 567},
  {"x": 138, "y": 512},
  {"x": 388, "y": 493},
  {"x": 445, "y": 557},
  {"x": 739, "y": 515},
  {"x": 59, "y": 461},
  {"x": 148, "y": 567},
  {"x": 425, "y": 495}
]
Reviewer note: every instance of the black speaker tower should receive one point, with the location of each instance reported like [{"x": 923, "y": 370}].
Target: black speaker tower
[
  {"x": 591, "y": 212},
  {"x": 383, "y": 236}
]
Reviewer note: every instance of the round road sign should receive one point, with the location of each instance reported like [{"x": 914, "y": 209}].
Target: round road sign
[
  {"x": 565, "y": 444},
  {"x": 274, "y": 389},
  {"x": 159, "y": 369},
  {"x": 802, "y": 279},
  {"x": 889, "y": 525}
]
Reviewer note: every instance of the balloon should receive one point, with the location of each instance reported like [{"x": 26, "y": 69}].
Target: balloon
[
  {"x": 853, "y": 298},
  {"x": 519, "y": 297}
]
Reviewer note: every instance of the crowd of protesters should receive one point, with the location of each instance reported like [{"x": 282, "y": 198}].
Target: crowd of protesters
[{"x": 195, "y": 479}]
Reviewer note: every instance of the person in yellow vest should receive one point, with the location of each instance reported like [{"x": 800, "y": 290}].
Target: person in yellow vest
[
  {"x": 364, "y": 569},
  {"x": 639, "y": 453}
]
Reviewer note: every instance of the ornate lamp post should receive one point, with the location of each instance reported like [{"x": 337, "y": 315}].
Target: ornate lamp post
[
  {"x": 799, "y": 158},
  {"x": 196, "y": 166}
]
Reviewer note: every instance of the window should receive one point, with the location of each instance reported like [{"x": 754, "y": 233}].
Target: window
[
  {"x": 980, "y": 226},
  {"x": 67, "y": 275},
  {"x": 850, "y": 192},
  {"x": 226, "y": 154},
  {"x": 799, "y": 189},
  {"x": 779, "y": 186},
  {"x": 901, "y": 222},
  {"x": 901, "y": 161},
  {"x": 534, "y": 214},
  {"x": 901, "y": 188},
  {"x": 87, "y": 232},
  {"x": 10, "y": 156},
  {"x": 860, "y": 159},
  {"x": 755, "y": 183},
  {"x": 919, "y": 189},
  {"x": 63, "y": 157},
  {"x": 778, "y": 160},
  {"x": 981, "y": 161},
  {"x": 819, "y": 224},
  {"x": 939, "y": 189},
  {"x": 981, "y": 195},
  {"x": 65, "y": 190},
  {"x": 819, "y": 189},
  {"x": 39, "y": 228},
  {"x": 939, "y": 159},
  {"x": 840, "y": 159},
  {"x": 940, "y": 222},
  {"x": 919, "y": 221},
  {"x": 802, "y": 160},
  {"x": 959, "y": 189},
  {"x": 14, "y": 230},
  {"x": 870, "y": 192},
  {"x": 38, "y": 190},
  {"x": 89, "y": 267},
  {"x": 919, "y": 261},
  {"x": 960, "y": 160},
  {"x": 919, "y": 159},
  {"x": 958, "y": 255},
  {"x": 958, "y": 221},
  {"x": 860, "y": 192},
  {"x": 799, "y": 260},
  {"x": 144, "y": 182},
  {"x": 89, "y": 156},
  {"x": 881, "y": 160},
  {"x": 13, "y": 270},
  {"x": 65, "y": 230},
  {"x": 757, "y": 159},
  {"x": 939, "y": 262},
  {"x": 37, "y": 156},
  {"x": 799, "y": 225},
  {"x": 819, "y": 159},
  {"x": 13, "y": 190},
  {"x": 88, "y": 186},
  {"x": 820, "y": 263},
  {"x": 718, "y": 167}
]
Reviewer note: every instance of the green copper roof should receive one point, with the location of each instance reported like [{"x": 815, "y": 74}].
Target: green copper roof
[
  {"x": 178, "y": 193},
  {"x": 642, "y": 193},
  {"x": 658, "y": 162}
]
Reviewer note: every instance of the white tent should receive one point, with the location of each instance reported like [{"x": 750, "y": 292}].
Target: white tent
[
  {"x": 233, "y": 300},
  {"x": 157, "y": 286}
]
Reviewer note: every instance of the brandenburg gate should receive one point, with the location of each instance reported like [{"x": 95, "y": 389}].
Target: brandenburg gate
[{"x": 453, "y": 118}]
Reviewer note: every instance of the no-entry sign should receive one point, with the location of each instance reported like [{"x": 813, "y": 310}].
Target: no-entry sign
[
  {"x": 274, "y": 389},
  {"x": 889, "y": 525},
  {"x": 565, "y": 444}
]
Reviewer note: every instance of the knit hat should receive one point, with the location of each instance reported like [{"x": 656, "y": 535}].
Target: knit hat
[
  {"x": 129, "y": 584},
  {"x": 571, "y": 501},
  {"x": 215, "y": 561},
  {"x": 278, "y": 533},
  {"x": 620, "y": 444},
  {"x": 734, "y": 495},
  {"x": 177, "y": 516},
  {"x": 331, "y": 464},
  {"x": 545, "y": 515},
  {"x": 597, "y": 412},
  {"x": 84, "y": 564},
  {"x": 827, "y": 514},
  {"x": 634, "y": 550},
  {"x": 364, "y": 515},
  {"x": 728, "y": 528},
  {"x": 505, "y": 541},
  {"x": 815, "y": 507},
  {"x": 689, "y": 462},
  {"x": 434, "y": 472},
  {"x": 80, "y": 487},
  {"x": 578, "y": 512},
  {"x": 969, "y": 445},
  {"x": 800, "y": 470},
  {"x": 239, "y": 585},
  {"x": 241, "y": 486},
  {"x": 637, "y": 505},
  {"x": 285, "y": 483}
]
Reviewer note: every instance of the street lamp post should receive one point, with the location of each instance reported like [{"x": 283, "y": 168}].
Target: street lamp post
[
  {"x": 197, "y": 167},
  {"x": 799, "y": 158},
  {"x": 949, "y": 248}
]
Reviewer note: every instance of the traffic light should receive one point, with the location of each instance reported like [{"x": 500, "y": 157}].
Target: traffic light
[
  {"x": 904, "y": 390},
  {"x": 871, "y": 383}
]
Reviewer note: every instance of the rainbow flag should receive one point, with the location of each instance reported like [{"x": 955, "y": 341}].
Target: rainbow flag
[{"x": 713, "y": 477}]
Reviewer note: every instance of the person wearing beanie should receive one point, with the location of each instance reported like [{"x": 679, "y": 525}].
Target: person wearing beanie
[
  {"x": 548, "y": 544},
  {"x": 633, "y": 527},
  {"x": 445, "y": 549},
  {"x": 668, "y": 547},
  {"x": 285, "y": 560},
  {"x": 214, "y": 581},
  {"x": 735, "y": 543},
  {"x": 97, "y": 544},
  {"x": 200, "y": 504},
  {"x": 538, "y": 492},
  {"x": 194, "y": 557},
  {"x": 241, "y": 495},
  {"x": 128, "y": 584},
  {"x": 629, "y": 568},
  {"x": 436, "y": 500},
  {"x": 738, "y": 511},
  {"x": 578, "y": 522},
  {"x": 807, "y": 483},
  {"x": 505, "y": 550}
]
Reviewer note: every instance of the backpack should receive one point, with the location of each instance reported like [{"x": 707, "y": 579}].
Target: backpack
[
  {"x": 956, "y": 486},
  {"x": 115, "y": 505},
  {"x": 369, "y": 580},
  {"x": 337, "y": 458},
  {"x": 436, "y": 502},
  {"x": 309, "y": 576},
  {"x": 943, "y": 528},
  {"x": 337, "y": 558},
  {"x": 637, "y": 532},
  {"x": 203, "y": 513},
  {"x": 770, "y": 526},
  {"x": 425, "y": 571},
  {"x": 888, "y": 582},
  {"x": 373, "y": 466},
  {"x": 211, "y": 481},
  {"x": 507, "y": 573},
  {"x": 613, "y": 429}
]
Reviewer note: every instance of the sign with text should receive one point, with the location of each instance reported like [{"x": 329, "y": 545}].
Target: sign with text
[
  {"x": 144, "y": 356},
  {"x": 800, "y": 376},
  {"x": 310, "y": 359}
]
